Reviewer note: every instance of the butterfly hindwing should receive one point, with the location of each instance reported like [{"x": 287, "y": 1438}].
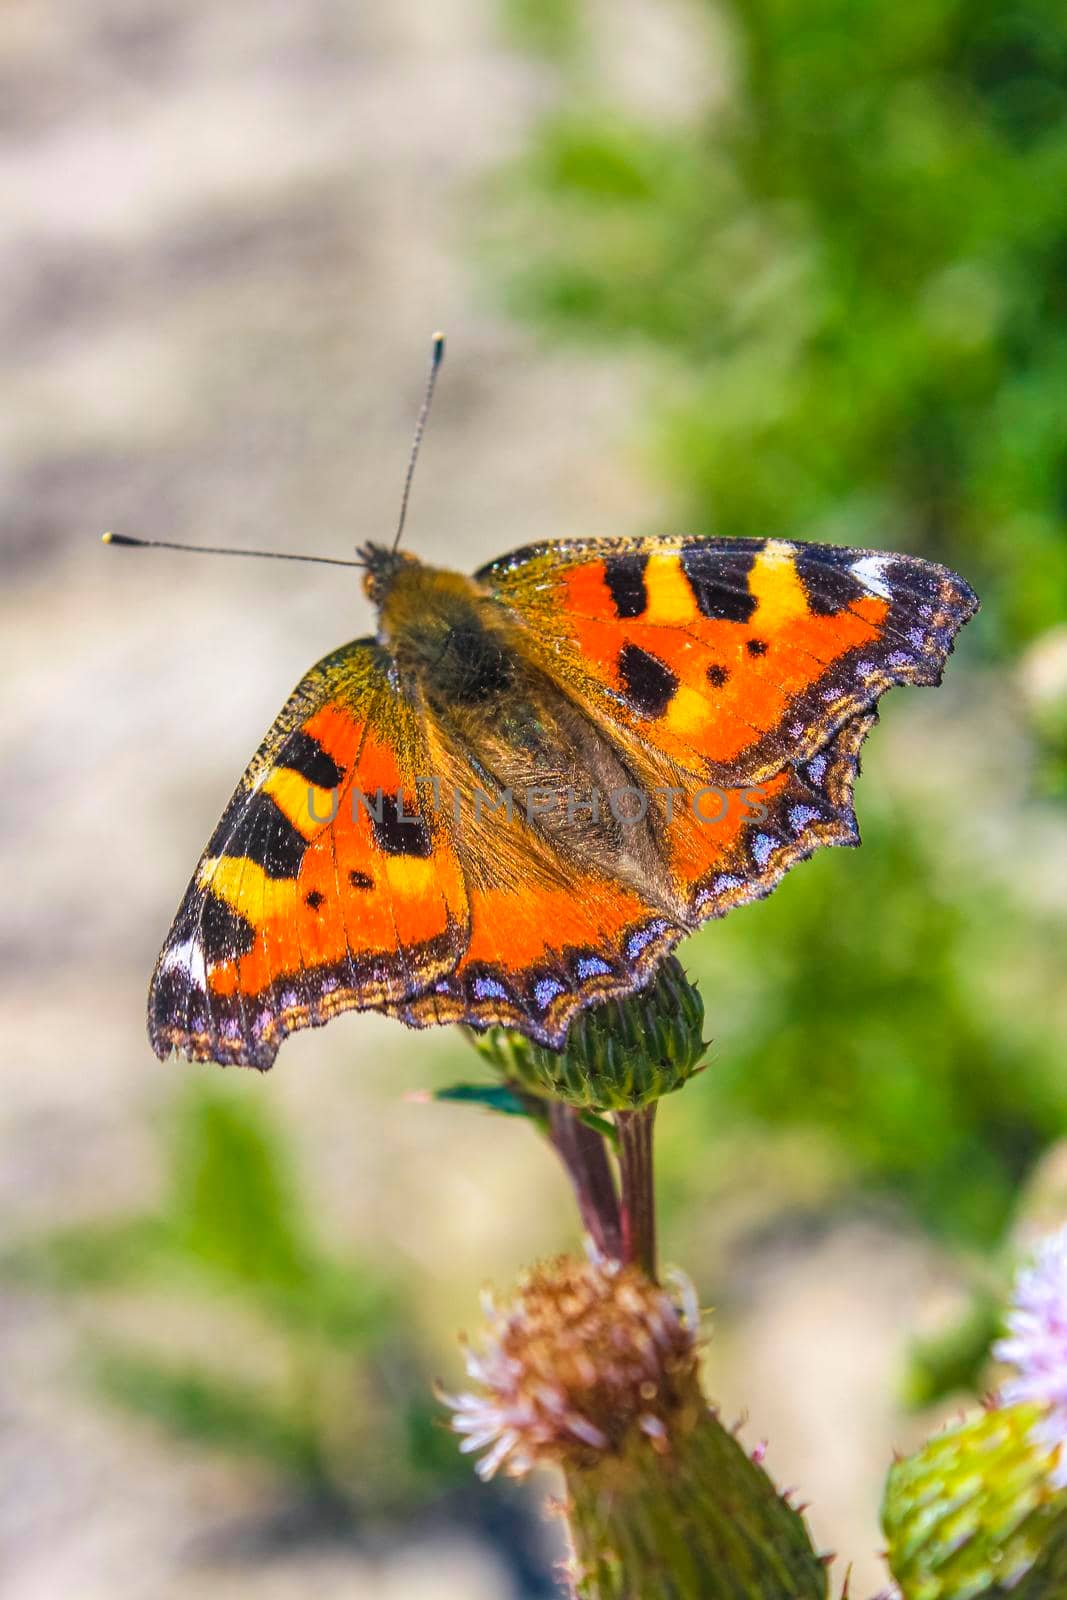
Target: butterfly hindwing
[
  {"x": 547, "y": 939},
  {"x": 547, "y": 935}
]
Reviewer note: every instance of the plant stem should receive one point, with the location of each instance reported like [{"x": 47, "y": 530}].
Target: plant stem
[
  {"x": 703, "y": 1524},
  {"x": 638, "y": 1187},
  {"x": 582, "y": 1151}
]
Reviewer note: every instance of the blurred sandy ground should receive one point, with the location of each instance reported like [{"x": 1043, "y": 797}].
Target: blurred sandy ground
[{"x": 228, "y": 232}]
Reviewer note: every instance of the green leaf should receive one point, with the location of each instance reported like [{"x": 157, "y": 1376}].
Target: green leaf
[
  {"x": 233, "y": 1205},
  {"x": 494, "y": 1097}
]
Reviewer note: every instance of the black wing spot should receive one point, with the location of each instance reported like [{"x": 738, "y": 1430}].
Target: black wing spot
[
  {"x": 828, "y": 584},
  {"x": 717, "y": 675},
  {"x": 400, "y": 835},
  {"x": 314, "y": 898},
  {"x": 625, "y": 578},
  {"x": 756, "y": 647},
  {"x": 649, "y": 684},
  {"x": 719, "y": 581},
  {"x": 301, "y": 753},
  {"x": 263, "y": 834},
  {"x": 224, "y": 933},
  {"x": 361, "y": 880}
]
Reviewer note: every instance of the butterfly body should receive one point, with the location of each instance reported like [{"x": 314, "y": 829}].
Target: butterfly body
[
  {"x": 532, "y": 781},
  {"x": 504, "y": 726}
]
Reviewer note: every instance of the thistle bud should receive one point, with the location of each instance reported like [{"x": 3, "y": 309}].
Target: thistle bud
[
  {"x": 982, "y": 1509},
  {"x": 619, "y": 1055},
  {"x": 594, "y": 1369},
  {"x": 976, "y": 1511}
]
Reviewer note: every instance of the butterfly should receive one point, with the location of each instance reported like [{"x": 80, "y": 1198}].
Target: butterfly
[{"x": 530, "y": 783}]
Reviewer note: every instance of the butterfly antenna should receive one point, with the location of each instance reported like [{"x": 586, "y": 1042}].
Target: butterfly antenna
[
  {"x": 437, "y": 355},
  {"x": 223, "y": 550}
]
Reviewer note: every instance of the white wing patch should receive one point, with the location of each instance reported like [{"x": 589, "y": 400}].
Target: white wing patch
[
  {"x": 870, "y": 570},
  {"x": 187, "y": 958}
]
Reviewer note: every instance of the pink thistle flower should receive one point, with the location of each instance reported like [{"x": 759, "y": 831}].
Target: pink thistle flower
[{"x": 1036, "y": 1346}]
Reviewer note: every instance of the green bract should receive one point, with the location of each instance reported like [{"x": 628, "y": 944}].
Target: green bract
[
  {"x": 619, "y": 1055},
  {"x": 974, "y": 1514}
]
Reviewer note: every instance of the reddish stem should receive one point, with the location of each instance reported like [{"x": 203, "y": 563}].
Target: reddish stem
[
  {"x": 638, "y": 1188},
  {"x": 581, "y": 1150}
]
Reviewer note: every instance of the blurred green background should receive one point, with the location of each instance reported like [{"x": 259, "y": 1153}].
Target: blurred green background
[{"x": 779, "y": 267}]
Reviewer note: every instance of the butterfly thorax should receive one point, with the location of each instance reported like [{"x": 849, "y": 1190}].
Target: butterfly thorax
[
  {"x": 469, "y": 664},
  {"x": 447, "y": 636}
]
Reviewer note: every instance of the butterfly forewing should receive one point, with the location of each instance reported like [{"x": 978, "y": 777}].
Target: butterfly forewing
[
  {"x": 318, "y": 892},
  {"x": 733, "y": 657}
]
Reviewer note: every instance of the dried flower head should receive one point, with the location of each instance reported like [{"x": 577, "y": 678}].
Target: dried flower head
[
  {"x": 1036, "y": 1346},
  {"x": 588, "y": 1357},
  {"x": 593, "y": 1369}
]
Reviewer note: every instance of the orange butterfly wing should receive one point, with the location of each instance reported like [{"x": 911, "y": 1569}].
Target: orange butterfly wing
[
  {"x": 317, "y": 893},
  {"x": 734, "y": 657},
  {"x": 547, "y": 940},
  {"x": 546, "y": 937}
]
